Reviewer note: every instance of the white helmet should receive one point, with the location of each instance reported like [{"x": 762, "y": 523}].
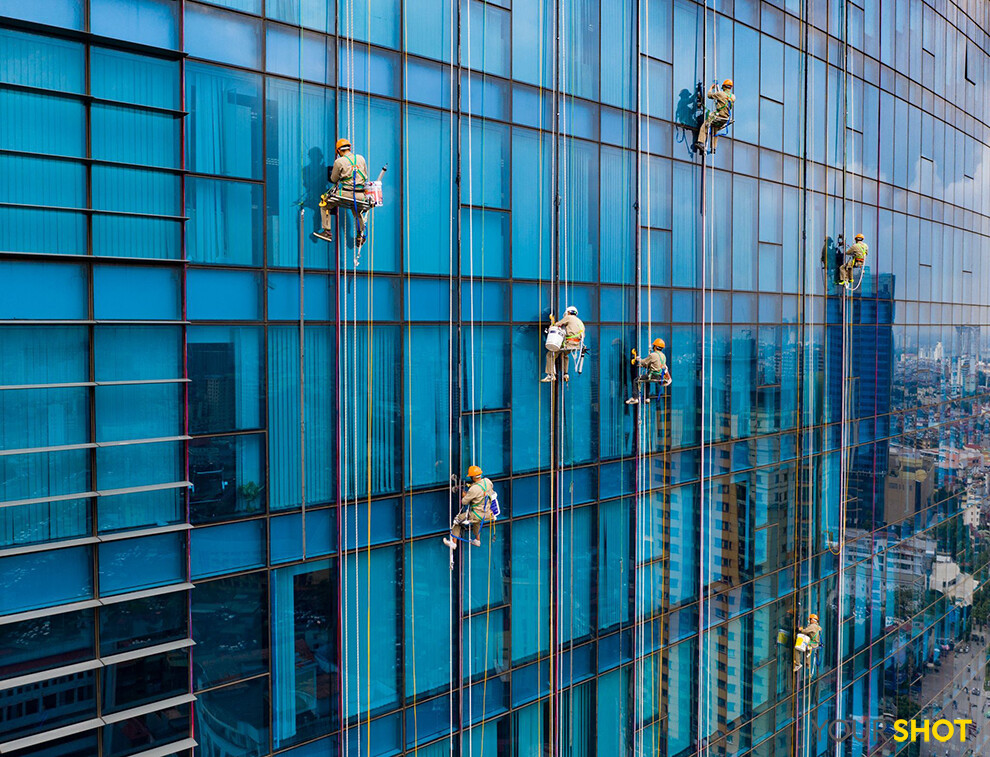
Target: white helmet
[{"x": 571, "y": 310}]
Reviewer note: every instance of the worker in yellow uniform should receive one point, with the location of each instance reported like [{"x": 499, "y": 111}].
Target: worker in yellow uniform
[
  {"x": 717, "y": 119},
  {"x": 348, "y": 176},
  {"x": 480, "y": 503},
  {"x": 572, "y": 329},
  {"x": 808, "y": 641},
  {"x": 656, "y": 371},
  {"x": 855, "y": 258}
]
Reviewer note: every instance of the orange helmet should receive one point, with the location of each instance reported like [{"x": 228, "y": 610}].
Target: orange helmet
[
  {"x": 474, "y": 471},
  {"x": 859, "y": 237},
  {"x": 659, "y": 344},
  {"x": 813, "y": 618},
  {"x": 727, "y": 84},
  {"x": 343, "y": 144}
]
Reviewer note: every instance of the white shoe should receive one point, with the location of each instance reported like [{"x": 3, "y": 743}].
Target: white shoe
[
  {"x": 451, "y": 544},
  {"x": 476, "y": 542},
  {"x": 797, "y": 667},
  {"x": 566, "y": 377},
  {"x": 547, "y": 379},
  {"x": 324, "y": 235},
  {"x": 647, "y": 400},
  {"x": 632, "y": 401}
]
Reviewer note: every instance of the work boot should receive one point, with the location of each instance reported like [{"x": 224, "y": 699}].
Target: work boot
[
  {"x": 632, "y": 401},
  {"x": 476, "y": 542},
  {"x": 358, "y": 239},
  {"x": 797, "y": 666},
  {"x": 323, "y": 234},
  {"x": 647, "y": 400},
  {"x": 547, "y": 379},
  {"x": 451, "y": 544},
  {"x": 566, "y": 377}
]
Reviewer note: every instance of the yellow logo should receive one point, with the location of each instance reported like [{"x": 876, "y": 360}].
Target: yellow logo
[{"x": 940, "y": 730}]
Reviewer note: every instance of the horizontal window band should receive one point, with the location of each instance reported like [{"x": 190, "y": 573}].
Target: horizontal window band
[
  {"x": 74, "y": 384},
  {"x": 45, "y": 675},
  {"x": 137, "y": 654},
  {"x": 10, "y": 747},
  {"x": 104, "y": 493},
  {"x": 52, "y": 257},
  {"x": 94, "y": 211},
  {"x": 89, "y": 604},
  {"x": 94, "y": 99},
  {"x": 91, "y": 445},
  {"x": 87, "y": 322},
  {"x": 99, "y": 539},
  {"x": 168, "y": 749}
]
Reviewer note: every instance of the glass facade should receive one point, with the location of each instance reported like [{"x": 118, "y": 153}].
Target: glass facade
[{"x": 226, "y": 447}]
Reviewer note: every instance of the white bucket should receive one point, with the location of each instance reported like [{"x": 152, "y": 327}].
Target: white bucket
[
  {"x": 555, "y": 338},
  {"x": 373, "y": 193},
  {"x": 802, "y": 643}
]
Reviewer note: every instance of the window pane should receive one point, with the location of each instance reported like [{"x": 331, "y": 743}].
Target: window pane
[
  {"x": 237, "y": 713},
  {"x": 45, "y": 579},
  {"x": 60, "y": 639},
  {"x": 224, "y": 368},
  {"x": 132, "y": 78},
  {"x": 140, "y": 623},
  {"x": 131, "y": 293},
  {"x": 228, "y": 479},
  {"x": 131, "y": 564},
  {"x": 222, "y": 36},
  {"x": 229, "y": 624},
  {"x": 150, "y": 22},
  {"x": 224, "y": 222}
]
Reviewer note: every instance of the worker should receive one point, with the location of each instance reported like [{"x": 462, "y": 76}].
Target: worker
[
  {"x": 808, "y": 640},
  {"x": 480, "y": 503},
  {"x": 855, "y": 258},
  {"x": 656, "y": 371},
  {"x": 718, "y": 119},
  {"x": 570, "y": 331},
  {"x": 348, "y": 176}
]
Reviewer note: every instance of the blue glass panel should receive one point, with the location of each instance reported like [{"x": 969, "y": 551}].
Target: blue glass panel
[
  {"x": 224, "y": 222},
  {"x": 386, "y": 516},
  {"x": 157, "y": 730},
  {"x": 288, "y": 50},
  {"x": 46, "y": 578},
  {"x": 223, "y": 295},
  {"x": 286, "y": 535},
  {"x": 230, "y": 626},
  {"x": 299, "y": 148},
  {"x": 30, "y": 714},
  {"x": 44, "y": 474},
  {"x": 229, "y": 548},
  {"x": 131, "y": 564},
  {"x": 139, "y": 682},
  {"x": 380, "y": 569},
  {"x": 375, "y": 21},
  {"x": 142, "y": 411},
  {"x": 428, "y": 405},
  {"x": 484, "y": 163},
  {"x": 128, "y": 135},
  {"x": 150, "y": 22},
  {"x": 129, "y": 353},
  {"x": 284, "y": 433},
  {"x": 224, "y": 364},
  {"x": 43, "y": 417},
  {"x": 429, "y": 29},
  {"x": 530, "y": 601},
  {"x": 43, "y": 290},
  {"x": 312, "y": 14},
  {"x": 33, "y": 645},
  {"x": 304, "y": 678},
  {"x": 28, "y": 230},
  {"x": 485, "y": 235},
  {"x": 136, "y": 190},
  {"x": 618, "y": 59},
  {"x": 136, "y": 293},
  {"x": 428, "y": 83},
  {"x": 427, "y": 624},
  {"x": 65, "y": 13},
  {"x": 283, "y": 297},
  {"x": 125, "y": 626},
  {"x": 487, "y": 48},
  {"x": 37, "y": 61},
  {"x": 532, "y": 211},
  {"x": 237, "y": 714},
  {"x": 429, "y": 234},
  {"x": 132, "y": 78},
  {"x": 581, "y": 38},
  {"x": 222, "y": 36},
  {"x": 124, "y": 466},
  {"x": 28, "y": 180},
  {"x": 533, "y": 42},
  {"x": 228, "y": 477},
  {"x": 224, "y": 126},
  {"x": 125, "y": 236},
  {"x": 45, "y": 522},
  {"x": 43, "y": 123}
]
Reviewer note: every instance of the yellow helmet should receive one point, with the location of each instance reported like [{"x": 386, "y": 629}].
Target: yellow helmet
[
  {"x": 813, "y": 618},
  {"x": 342, "y": 144},
  {"x": 727, "y": 84},
  {"x": 474, "y": 471},
  {"x": 859, "y": 237},
  {"x": 659, "y": 343}
]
